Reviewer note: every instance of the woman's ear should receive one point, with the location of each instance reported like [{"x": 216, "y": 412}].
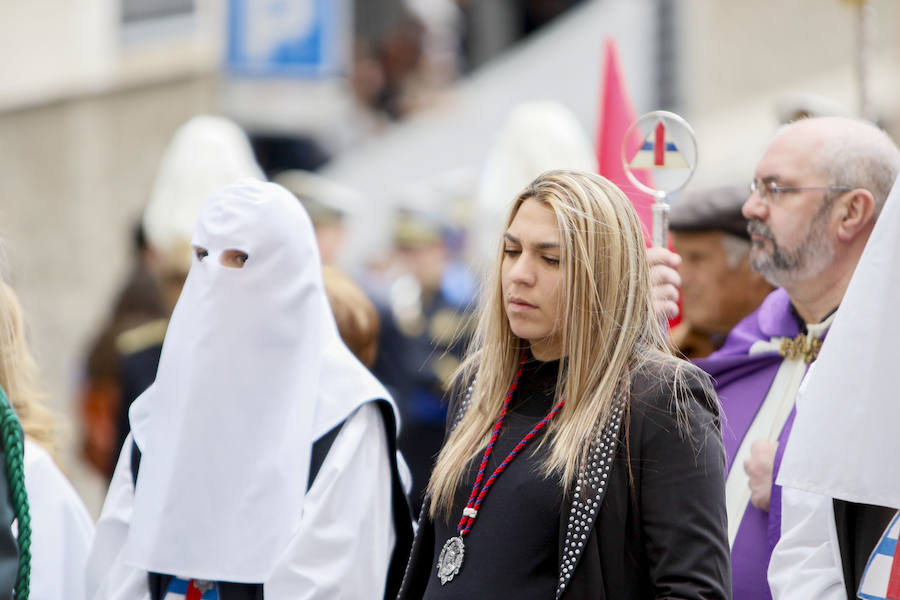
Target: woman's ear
[{"x": 855, "y": 212}]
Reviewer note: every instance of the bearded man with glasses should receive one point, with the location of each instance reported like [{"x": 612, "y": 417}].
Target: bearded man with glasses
[{"x": 814, "y": 199}]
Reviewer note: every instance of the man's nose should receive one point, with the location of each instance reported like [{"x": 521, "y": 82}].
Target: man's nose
[{"x": 755, "y": 208}]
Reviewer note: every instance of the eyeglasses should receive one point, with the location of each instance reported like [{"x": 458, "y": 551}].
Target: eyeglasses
[{"x": 769, "y": 190}]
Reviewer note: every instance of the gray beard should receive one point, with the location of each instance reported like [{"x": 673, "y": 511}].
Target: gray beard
[{"x": 783, "y": 266}]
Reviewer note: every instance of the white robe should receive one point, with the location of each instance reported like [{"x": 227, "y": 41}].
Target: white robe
[
  {"x": 341, "y": 549},
  {"x": 806, "y": 562},
  {"x": 61, "y": 529}
]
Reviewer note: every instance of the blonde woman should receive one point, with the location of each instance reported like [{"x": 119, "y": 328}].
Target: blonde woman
[
  {"x": 61, "y": 528},
  {"x": 582, "y": 460}
]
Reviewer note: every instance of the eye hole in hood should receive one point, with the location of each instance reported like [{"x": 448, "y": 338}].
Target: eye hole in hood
[{"x": 234, "y": 258}]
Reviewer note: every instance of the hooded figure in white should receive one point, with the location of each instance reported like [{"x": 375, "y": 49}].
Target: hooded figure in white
[
  {"x": 252, "y": 373},
  {"x": 845, "y": 443}
]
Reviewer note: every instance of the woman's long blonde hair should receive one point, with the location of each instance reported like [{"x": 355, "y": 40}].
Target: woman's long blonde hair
[
  {"x": 606, "y": 320},
  {"x": 19, "y": 373}
]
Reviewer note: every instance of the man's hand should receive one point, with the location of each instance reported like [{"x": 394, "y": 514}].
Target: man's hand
[
  {"x": 759, "y": 467},
  {"x": 665, "y": 281}
]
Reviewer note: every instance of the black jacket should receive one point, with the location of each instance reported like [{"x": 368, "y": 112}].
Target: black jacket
[
  {"x": 859, "y": 530},
  {"x": 661, "y": 535}
]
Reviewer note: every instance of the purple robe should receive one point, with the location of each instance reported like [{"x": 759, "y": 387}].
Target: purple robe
[{"x": 742, "y": 382}]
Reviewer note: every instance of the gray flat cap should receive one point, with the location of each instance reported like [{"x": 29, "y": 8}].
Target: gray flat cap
[
  {"x": 712, "y": 209},
  {"x": 325, "y": 200}
]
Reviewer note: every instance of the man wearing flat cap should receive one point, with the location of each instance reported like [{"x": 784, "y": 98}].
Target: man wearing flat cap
[
  {"x": 328, "y": 203},
  {"x": 719, "y": 287}
]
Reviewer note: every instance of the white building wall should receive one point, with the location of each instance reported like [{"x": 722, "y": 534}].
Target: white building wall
[{"x": 56, "y": 49}]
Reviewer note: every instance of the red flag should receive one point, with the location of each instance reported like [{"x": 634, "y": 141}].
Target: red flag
[{"x": 615, "y": 117}]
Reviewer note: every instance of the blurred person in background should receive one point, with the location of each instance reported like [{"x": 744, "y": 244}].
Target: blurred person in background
[
  {"x": 616, "y": 489},
  {"x": 424, "y": 330},
  {"x": 205, "y": 154},
  {"x": 718, "y": 285},
  {"x": 354, "y": 313},
  {"x": 327, "y": 203},
  {"x": 406, "y": 53},
  {"x": 358, "y": 325},
  {"x": 535, "y": 137},
  {"x": 399, "y": 53},
  {"x": 442, "y": 59},
  {"x": 816, "y": 194},
  {"x": 139, "y": 307},
  {"x": 61, "y": 528},
  {"x": 262, "y": 460},
  {"x": 388, "y": 52}
]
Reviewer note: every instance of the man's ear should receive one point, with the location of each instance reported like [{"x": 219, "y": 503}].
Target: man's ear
[{"x": 855, "y": 211}]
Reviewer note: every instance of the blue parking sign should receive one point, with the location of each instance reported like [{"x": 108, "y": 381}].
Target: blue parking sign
[{"x": 287, "y": 38}]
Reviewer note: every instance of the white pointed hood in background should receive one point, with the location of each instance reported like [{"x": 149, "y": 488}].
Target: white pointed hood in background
[
  {"x": 537, "y": 136},
  {"x": 252, "y": 372},
  {"x": 845, "y": 442},
  {"x": 205, "y": 154}
]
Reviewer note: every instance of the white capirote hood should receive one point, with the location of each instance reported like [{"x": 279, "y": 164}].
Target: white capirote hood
[{"x": 252, "y": 372}]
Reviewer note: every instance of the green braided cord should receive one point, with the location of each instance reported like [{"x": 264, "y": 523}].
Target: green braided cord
[{"x": 13, "y": 447}]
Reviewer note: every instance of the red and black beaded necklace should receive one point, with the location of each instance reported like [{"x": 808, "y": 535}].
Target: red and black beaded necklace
[{"x": 451, "y": 557}]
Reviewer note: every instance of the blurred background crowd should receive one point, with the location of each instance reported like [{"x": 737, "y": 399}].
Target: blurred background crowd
[{"x": 404, "y": 126}]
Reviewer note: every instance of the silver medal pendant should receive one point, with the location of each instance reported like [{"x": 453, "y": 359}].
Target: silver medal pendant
[{"x": 451, "y": 558}]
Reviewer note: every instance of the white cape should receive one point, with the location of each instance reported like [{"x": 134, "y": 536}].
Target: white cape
[{"x": 845, "y": 442}]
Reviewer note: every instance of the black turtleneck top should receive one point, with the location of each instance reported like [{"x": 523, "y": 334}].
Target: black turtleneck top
[{"x": 512, "y": 549}]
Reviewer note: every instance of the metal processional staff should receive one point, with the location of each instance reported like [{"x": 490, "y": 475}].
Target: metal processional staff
[{"x": 668, "y": 151}]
